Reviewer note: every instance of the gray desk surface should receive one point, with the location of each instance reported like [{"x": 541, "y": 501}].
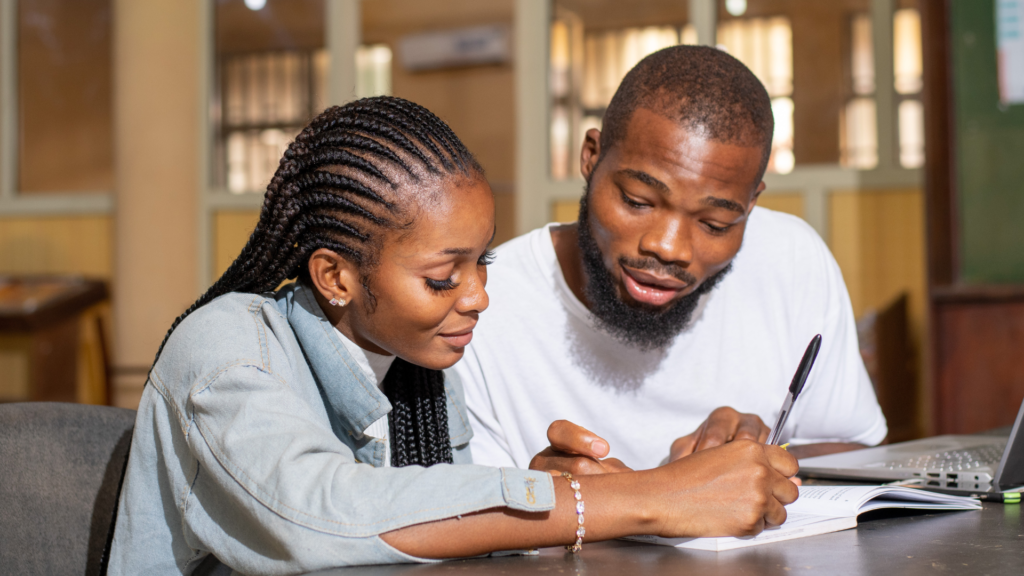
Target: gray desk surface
[{"x": 987, "y": 541}]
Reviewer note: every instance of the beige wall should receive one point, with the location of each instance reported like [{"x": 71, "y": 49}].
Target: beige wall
[
  {"x": 57, "y": 245},
  {"x": 157, "y": 176}
]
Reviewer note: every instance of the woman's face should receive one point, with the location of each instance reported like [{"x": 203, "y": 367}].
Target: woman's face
[{"x": 428, "y": 284}]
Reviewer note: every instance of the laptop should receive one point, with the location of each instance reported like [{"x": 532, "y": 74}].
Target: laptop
[{"x": 951, "y": 463}]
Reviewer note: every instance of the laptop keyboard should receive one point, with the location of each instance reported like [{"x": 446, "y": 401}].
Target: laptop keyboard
[{"x": 953, "y": 460}]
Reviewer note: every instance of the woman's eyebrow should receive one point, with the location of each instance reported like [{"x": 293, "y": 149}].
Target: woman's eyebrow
[{"x": 464, "y": 251}]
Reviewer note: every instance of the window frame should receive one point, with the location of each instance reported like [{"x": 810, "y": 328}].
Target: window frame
[{"x": 14, "y": 203}]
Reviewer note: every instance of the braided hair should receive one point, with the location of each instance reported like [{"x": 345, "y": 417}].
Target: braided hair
[{"x": 333, "y": 190}]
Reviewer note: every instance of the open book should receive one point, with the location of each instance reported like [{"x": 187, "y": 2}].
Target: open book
[{"x": 824, "y": 509}]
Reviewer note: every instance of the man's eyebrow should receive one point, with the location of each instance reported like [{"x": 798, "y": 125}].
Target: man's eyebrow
[
  {"x": 715, "y": 202},
  {"x": 645, "y": 178}
]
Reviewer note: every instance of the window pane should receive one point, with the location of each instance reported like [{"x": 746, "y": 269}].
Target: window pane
[
  {"x": 911, "y": 126},
  {"x": 271, "y": 69},
  {"x": 907, "y": 51},
  {"x": 64, "y": 96},
  {"x": 373, "y": 71},
  {"x": 860, "y": 133},
  {"x": 862, "y": 55}
]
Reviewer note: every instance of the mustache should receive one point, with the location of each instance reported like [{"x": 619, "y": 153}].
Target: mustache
[{"x": 653, "y": 266}]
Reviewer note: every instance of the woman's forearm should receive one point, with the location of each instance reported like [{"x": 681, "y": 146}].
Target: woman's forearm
[
  {"x": 611, "y": 512},
  {"x": 731, "y": 490}
]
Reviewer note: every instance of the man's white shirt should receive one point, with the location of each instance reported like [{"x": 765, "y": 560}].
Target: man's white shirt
[{"x": 537, "y": 355}]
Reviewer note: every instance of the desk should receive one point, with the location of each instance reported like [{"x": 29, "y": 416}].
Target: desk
[
  {"x": 987, "y": 541},
  {"x": 42, "y": 333}
]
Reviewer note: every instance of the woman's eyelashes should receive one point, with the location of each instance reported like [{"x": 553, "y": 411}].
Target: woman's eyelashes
[
  {"x": 441, "y": 286},
  {"x": 448, "y": 284}
]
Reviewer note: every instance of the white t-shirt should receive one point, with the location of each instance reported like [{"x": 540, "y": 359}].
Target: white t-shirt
[
  {"x": 537, "y": 356},
  {"x": 375, "y": 367}
]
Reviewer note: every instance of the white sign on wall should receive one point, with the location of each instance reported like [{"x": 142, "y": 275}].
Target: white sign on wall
[
  {"x": 1010, "y": 50},
  {"x": 451, "y": 48}
]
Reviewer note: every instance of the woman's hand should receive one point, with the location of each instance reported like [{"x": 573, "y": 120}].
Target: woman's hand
[{"x": 732, "y": 490}]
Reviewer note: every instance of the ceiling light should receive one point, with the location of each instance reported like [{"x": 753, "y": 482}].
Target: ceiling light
[{"x": 734, "y": 7}]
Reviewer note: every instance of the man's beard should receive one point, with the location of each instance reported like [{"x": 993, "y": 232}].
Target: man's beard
[{"x": 637, "y": 324}]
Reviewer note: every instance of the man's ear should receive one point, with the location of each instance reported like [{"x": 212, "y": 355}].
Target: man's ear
[
  {"x": 334, "y": 277},
  {"x": 590, "y": 153},
  {"x": 757, "y": 194}
]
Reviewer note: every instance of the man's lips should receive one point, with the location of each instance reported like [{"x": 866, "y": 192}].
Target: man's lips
[
  {"x": 650, "y": 289},
  {"x": 459, "y": 338}
]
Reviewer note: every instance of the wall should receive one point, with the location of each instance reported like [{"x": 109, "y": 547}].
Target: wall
[{"x": 157, "y": 71}]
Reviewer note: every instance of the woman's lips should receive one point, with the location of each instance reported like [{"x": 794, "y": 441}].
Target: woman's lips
[
  {"x": 649, "y": 289},
  {"x": 459, "y": 339}
]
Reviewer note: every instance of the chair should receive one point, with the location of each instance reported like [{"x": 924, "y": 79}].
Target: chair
[{"x": 60, "y": 476}]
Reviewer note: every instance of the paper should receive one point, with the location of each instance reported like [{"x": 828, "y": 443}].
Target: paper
[{"x": 824, "y": 509}]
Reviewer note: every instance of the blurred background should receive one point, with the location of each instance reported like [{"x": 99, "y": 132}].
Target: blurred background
[{"x": 137, "y": 138}]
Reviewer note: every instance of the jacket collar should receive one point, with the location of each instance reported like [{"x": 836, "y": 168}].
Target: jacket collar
[{"x": 352, "y": 400}]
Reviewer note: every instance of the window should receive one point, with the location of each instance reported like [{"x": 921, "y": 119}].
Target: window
[
  {"x": 858, "y": 132},
  {"x": 908, "y": 83},
  {"x": 765, "y": 45},
  {"x": 858, "y": 123},
  {"x": 271, "y": 70},
  {"x": 64, "y": 84},
  {"x": 589, "y": 58}
]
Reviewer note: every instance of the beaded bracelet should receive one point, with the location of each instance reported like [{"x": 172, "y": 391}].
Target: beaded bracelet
[{"x": 580, "y": 531}]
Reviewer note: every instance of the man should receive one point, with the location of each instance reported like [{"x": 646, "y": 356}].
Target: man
[{"x": 670, "y": 297}]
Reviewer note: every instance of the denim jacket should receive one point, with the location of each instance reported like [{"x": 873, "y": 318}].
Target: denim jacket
[{"x": 249, "y": 446}]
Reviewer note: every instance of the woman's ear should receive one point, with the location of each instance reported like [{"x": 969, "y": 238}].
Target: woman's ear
[{"x": 334, "y": 277}]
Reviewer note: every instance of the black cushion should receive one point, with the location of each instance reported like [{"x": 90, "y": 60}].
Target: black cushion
[{"x": 60, "y": 471}]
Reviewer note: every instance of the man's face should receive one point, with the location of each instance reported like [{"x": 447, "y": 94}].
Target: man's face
[{"x": 666, "y": 209}]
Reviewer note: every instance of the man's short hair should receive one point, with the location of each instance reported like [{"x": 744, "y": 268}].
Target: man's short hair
[{"x": 705, "y": 89}]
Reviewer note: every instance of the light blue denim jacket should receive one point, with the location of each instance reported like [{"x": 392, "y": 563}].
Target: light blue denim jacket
[{"x": 249, "y": 446}]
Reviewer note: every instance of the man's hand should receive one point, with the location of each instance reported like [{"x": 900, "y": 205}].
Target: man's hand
[
  {"x": 575, "y": 449},
  {"x": 724, "y": 425}
]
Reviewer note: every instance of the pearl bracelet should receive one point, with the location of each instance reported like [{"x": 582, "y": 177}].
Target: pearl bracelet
[{"x": 580, "y": 530}]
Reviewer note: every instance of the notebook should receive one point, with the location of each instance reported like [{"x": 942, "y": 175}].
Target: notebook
[{"x": 824, "y": 509}]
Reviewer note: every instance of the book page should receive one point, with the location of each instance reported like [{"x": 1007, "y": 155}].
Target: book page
[{"x": 834, "y": 501}]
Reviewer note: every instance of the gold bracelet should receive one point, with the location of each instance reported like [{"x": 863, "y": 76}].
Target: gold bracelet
[{"x": 580, "y": 530}]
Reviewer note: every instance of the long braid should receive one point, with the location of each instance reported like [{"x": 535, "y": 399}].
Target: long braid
[{"x": 330, "y": 191}]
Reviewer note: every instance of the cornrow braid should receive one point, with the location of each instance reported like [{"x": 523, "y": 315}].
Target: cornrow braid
[{"x": 330, "y": 191}]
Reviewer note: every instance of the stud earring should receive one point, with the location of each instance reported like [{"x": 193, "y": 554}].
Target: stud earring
[{"x": 337, "y": 301}]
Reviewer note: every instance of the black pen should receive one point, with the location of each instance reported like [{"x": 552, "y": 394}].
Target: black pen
[{"x": 802, "y": 371}]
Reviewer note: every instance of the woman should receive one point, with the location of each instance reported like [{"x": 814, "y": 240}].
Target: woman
[{"x": 290, "y": 431}]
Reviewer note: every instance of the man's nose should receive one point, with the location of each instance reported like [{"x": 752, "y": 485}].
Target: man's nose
[{"x": 669, "y": 241}]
